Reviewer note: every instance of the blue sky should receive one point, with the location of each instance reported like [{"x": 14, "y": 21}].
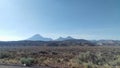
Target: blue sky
[{"x": 87, "y": 19}]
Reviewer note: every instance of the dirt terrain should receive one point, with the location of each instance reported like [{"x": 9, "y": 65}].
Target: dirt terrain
[
  {"x": 60, "y": 57},
  {"x": 10, "y": 66}
]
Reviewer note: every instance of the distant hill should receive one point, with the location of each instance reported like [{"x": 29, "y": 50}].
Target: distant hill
[
  {"x": 70, "y": 42},
  {"x": 38, "y": 37},
  {"x": 38, "y": 40},
  {"x": 62, "y": 39},
  {"x": 75, "y": 42},
  {"x": 106, "y": 42}
]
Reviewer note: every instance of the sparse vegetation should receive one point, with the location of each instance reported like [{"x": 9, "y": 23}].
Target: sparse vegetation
[
  {"x": 63, "y": 57},
  {"x": 4, "y": 55},
  {"x": 27, "y": 61}
]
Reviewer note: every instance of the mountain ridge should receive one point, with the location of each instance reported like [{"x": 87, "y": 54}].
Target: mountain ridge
[
  {"x": 38, "y": 37},
  {"x": 66, "y": 38}
]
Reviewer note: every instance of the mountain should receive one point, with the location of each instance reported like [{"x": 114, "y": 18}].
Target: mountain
[
  {"x": 38, "y": 37},
  {"x": 62, "y": 39},
  {"x": 70, "y": 42},
  {"x": 107, "y": 42}
]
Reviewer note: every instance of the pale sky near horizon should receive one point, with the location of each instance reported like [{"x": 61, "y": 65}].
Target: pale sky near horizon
[{"x": 84, "y": 19}]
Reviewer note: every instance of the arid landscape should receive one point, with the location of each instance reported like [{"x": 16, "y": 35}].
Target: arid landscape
[
  {"x": 61, "y": 53},
  {"x": 59, "y": 33},
  {"x": 62, "y": 56},
  {"x": 38, "y": 52}
]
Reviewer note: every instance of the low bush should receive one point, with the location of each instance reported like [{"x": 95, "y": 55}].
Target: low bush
[
  {"x": 4, "y": 55},
  {"x": 27, "y": 61}
]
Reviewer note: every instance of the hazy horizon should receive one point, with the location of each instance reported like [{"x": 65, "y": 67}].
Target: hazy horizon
[{"x": 83, "y": 19}]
